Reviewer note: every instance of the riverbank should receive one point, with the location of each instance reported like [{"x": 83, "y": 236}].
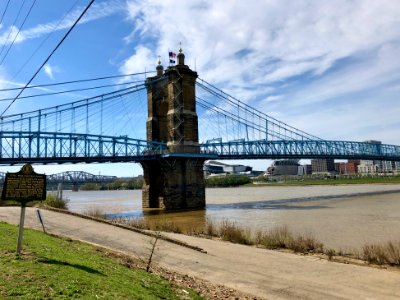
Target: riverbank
[
  {"x": 263, "y": 273},
  {"x": 342, "y": 217},
  {"x": 52, "y": 267},
  {"x": 328, "y": 181}
]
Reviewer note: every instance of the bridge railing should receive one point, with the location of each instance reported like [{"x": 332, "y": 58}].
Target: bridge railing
[
  {"x": 19, "y": 147},
  {"x": 55, "y": 147},
  {"x": 301, "y": 149}
]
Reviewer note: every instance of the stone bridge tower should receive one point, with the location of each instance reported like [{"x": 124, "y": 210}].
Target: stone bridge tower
[{"x": 175, "y": 181}]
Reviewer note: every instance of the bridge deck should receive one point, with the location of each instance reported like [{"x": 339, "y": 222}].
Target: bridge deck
[{"x": 18, "y": 147}]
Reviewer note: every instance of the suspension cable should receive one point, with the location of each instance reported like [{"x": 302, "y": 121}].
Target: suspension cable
[{"x": 48, "y": 57}]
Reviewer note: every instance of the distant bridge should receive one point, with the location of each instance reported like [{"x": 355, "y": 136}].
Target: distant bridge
[
  {"x": 79, "y": 177},
  {"x": 71, "y": 178}
]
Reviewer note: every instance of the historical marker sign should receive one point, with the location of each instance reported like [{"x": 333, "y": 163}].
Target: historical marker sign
[{"x": 24, "y": 186}]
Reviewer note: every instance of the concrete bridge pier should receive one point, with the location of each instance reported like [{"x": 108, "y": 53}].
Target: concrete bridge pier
[
  {"x": 173, "y": 184},
  {"x": 75, "y": 186},
  {"x": 175, "y": 181}
]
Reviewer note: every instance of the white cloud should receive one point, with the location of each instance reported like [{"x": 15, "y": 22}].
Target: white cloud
[
  {"x": 97, "y": 11},
  {"x": 309, "y": 53},
  {"x": 49, "y": 71},
  {"x": 138, "y": 61},
  {"x": 293, "y": 37},
  {"x": 273, "y": 98}
]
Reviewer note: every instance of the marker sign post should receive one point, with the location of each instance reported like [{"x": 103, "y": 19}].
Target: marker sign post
[{"x": 24, "y": 186}]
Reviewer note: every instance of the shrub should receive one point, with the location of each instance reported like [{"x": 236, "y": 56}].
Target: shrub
[{"x": 53, "y": 201}]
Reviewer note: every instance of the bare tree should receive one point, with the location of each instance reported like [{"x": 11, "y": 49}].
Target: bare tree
[{"x": 153, "y": 244}]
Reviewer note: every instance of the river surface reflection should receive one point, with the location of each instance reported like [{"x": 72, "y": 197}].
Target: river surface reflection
[{"x": 342, "y": 217}]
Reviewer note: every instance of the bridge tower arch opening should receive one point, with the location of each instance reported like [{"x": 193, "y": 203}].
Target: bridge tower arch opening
[{"x": 176, "y": 180}]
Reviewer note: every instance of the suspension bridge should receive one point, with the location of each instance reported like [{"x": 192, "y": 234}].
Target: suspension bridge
[{"x": 170, "y": 117}]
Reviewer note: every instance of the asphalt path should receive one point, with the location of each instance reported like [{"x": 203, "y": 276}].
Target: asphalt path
[{"x": 262, "y": 273}]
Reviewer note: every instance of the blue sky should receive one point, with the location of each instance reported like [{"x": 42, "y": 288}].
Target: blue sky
[{"x": 330, "y": 68}]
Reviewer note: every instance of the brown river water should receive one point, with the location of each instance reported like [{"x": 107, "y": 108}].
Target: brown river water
[{"x": 342, "y": 217}]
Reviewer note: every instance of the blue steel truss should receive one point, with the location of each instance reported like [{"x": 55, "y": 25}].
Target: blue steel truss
[
  {"x": 17, "y": 147},
  {"x": 48, "y": 135},
  {"x": 53, "y": 147},
  {"x": 264, "y": 149}
]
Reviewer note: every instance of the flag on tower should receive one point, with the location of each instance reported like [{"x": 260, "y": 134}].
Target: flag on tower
[{"x": 172, "y": 57}]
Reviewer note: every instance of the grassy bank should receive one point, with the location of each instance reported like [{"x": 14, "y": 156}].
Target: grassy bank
[
  {"x": 227, "y": 181},
  {"x": 52, "y": 268},
  {"x": 330, "y": 181},
  {"x": 51, "y": 200}
]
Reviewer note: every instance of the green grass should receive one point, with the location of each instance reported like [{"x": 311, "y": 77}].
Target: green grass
[
  {"x": 54, "y": 268},
  {"x": 227, "y": 181}
]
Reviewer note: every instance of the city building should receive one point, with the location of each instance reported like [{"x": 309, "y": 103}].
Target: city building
[
  {"x": 322, "y": 166},
  {"x": 307, "y": 169},
  {"x": 376, "y": 166},
  {"x": 285, "y": 167},
  {"x": 367, "y": 167},
  {"x": 216, "y": 167},
  {"x": 347, "y": 167}
]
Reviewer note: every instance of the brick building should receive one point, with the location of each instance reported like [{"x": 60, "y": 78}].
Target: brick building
[{"x": 323, "y": 166}]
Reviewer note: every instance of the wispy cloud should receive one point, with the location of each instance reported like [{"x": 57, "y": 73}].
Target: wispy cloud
[
  {"x": 305, "y": 55},
  {"x": 49, "y": 71},
  {"x": 97, "y": 11}
]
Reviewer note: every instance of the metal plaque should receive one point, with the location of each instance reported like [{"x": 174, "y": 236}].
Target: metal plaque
[{"x": 24, "y": 186}]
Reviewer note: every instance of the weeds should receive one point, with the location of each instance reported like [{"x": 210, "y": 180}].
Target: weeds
[
  {"x": 210, "y": 228},
  {"x": 282, "y": 238},
  {"x": 276, "y": 238},
  {"x": 388, "y": 253},
  {"x": 94, "y": 212},
  {"x": 393, "y": 253},
  {"x": 229, "y": 231},
  {"x": 304, "y": 244},
  {"x": 330, "y": 253},
  {"x": 155, "y": 225}
]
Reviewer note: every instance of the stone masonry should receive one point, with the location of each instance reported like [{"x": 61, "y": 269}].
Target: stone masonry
[{"x": 174, "y": 181}]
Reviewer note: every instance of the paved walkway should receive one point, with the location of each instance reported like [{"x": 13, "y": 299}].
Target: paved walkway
[{"x": 263, "y": 273}]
